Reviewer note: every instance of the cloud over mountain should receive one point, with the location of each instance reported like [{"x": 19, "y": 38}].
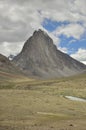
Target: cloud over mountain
[
  {"x": 18, "y": 19},
  {"x": 80, "y": 55}
]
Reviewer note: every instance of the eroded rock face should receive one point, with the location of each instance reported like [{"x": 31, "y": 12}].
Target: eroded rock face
[{"x": 40, "y": 57}]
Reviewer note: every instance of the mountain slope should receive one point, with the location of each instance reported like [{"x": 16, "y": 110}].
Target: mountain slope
[
  {"x": 6, "y": 65},
  {"x": 8, "y": 70},
  {"x": 41, "y": 58}
]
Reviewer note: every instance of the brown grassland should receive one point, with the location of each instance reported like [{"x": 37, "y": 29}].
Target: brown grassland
[{"x": 28, "y": 104}]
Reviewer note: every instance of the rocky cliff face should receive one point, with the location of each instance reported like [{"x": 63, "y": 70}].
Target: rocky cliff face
[{"x": 40, "y": 57}]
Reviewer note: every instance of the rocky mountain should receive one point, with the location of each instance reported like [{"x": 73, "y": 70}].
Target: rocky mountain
[
  {"x": 8, "y": 67},
  {"x": 40, "y": 57}
]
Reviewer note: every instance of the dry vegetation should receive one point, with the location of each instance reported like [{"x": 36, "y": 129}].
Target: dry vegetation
[{"x": 27, "y": 104}]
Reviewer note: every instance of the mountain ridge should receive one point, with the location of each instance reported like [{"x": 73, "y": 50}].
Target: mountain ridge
[
  {"x": 7, "y": 68},
  {"x": 40, "y": 57}
]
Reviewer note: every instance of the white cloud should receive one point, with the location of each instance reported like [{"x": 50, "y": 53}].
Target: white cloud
[
  {"x": 84, "y": 62},
  {"x": 72, "y": 41},
  {"x": 80, "y": 55},
  {"x": 80, "y": 6},
  {"x": 10, "y": 48},
  {"x": 19, "y": 18},
  {"x": 56, "y": 40},
  {"x": 63, "y": 49},
  {"x": 70, "y": 30}
]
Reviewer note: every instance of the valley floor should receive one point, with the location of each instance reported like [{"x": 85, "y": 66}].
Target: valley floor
[{"x": 42, "y": 105}]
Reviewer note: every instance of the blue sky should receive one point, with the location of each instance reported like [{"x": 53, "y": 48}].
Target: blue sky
[
  {"x": 50, "y": 25},
  {"x": 63, "y": 20},
  {"x": 72, "y": 44}
]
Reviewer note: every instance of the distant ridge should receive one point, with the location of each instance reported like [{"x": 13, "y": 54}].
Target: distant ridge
[
  {"x": 8, "y": 68},
  {"x": 5, "y": 64},
  {"x": 40, "y": 57}
]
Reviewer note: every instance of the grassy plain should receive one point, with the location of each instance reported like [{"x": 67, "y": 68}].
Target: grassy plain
[{"x": 28, "y": 104}]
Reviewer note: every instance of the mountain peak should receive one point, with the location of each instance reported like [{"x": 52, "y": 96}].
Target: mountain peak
[
  {"x": 38, "y": 40},
  {"x": 41, "y": 58},
  {"x": 40, "y": 32}
]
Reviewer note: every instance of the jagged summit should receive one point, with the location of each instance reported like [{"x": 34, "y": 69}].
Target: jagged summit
[
  {"x": 41, "y": 58},
  {"x": 39, "y": 31},
  {"x": 39, "y": 38}
]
